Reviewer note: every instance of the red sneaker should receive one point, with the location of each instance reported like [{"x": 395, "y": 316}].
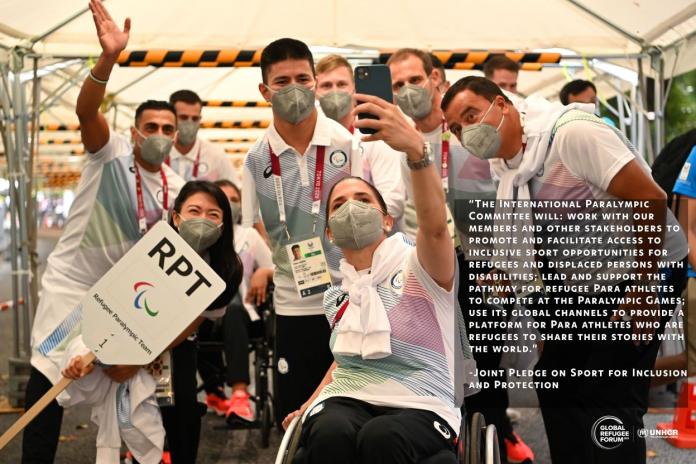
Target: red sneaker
[
  {"x": 166, "y": 458},
  {"x": 518, "y": 452},
  {"x": 217, "y": 404},
  {"x": 240, "y": 407}
]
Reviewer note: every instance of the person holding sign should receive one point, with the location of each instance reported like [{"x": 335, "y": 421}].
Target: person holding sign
[
  {"x": 124, "y": 190},
  {"x": 287, "y": 175},
  {"x": 396, "y": 331},
  {"x": 203, "y": 218}
]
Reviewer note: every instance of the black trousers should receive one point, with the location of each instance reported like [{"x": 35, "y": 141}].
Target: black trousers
[
  {"x": 491, "y": 402},
  {"x": 571, "y": 410},
  {"x": 182, "y": 421},
  {"x": 344, "y": 430},
  {"x": 40, "y": 439},
  {"x": 302, "y": 358},
  {"x": 236, "y": 327}
]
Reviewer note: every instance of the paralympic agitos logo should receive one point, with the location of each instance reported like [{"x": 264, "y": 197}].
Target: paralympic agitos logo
[{"x": 140, "y": 301}]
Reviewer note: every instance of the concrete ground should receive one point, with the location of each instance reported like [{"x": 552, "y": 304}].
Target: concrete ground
[{"x": 221, "y": 446}]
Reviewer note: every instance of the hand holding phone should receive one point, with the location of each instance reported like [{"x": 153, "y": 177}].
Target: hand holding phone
[{"x": 373, "y": 80}]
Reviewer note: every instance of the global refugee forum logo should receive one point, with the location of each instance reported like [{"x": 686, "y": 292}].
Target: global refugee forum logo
[{"x": 141, "y": 299}]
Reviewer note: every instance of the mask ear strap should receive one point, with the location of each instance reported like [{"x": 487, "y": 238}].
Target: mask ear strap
[
  {"x": 501, "y": 124},
  {"x": 486, "y": 113}
]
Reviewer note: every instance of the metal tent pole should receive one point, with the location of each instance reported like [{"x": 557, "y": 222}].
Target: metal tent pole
[
  {"x": 659, "y": 89},
  {"x": 31, "y": 210},
  {"x": 9, "y": 144},
  {"x": 620, "y": 105},
  {"x": 21, "y": 153}
]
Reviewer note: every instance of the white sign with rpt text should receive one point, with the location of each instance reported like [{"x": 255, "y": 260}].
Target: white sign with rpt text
[{"x": 147, "y": 299}]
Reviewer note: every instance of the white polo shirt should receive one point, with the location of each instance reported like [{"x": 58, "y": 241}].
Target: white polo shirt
[
  {"x": 102, "y": 226},
  {"x": 213, "y": 163},
  {"x": 297, "y": 173}
]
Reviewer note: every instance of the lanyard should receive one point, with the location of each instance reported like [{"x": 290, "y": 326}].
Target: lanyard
[
  {"x": 196, "y": 163},
  {"x": 194, "y": 174},
  {"x": 316, "y": 192},
  {"x": 444, "y": 173},
  {"x": 142, "y": 224}
]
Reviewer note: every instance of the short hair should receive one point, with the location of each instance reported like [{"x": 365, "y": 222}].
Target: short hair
[
  {"x": 437, "y": 64},
  {"x": 228, "y": 183},
  {"x": 281, "y": 50},
  {"x": 403, "y": 53},
  {"x": 186, "y": 96},
  {"x": 478, "y": 85},
  {"x": 575, "y": 87},
  {"x": 157, "y": 105},
  {"x": 295, "y": 247},
  {"x": 499, "y": 62},
  {"x": 331, "y": 62}
]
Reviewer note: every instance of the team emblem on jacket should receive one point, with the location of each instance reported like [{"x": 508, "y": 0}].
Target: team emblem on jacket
[
  {"x": 444, "y": 431},
  {"x": 338, "y": 159},
  {"x": 397, "y": 280}
]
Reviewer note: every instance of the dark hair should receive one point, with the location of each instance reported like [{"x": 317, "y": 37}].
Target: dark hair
[
  {"x": 437, "y": 64},
  {"x": 575, "y": 87},
  {"x": 373, "y": 189},
  {"x": 403, "y": 53},
  {"x": 295, "y": 247},
  {"x": 223, "y": 258},
  {"x": 477, "y": 84},
  {"x": 281, "y": 50},
  {"x": 228, "y": 183},
  {"x": 186, "y": 96},
  {"x": 499, "y": 62},
  {"x": 157, "y": 105}
]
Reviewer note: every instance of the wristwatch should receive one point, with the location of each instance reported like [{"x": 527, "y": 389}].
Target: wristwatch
[{"x": 427, "y": 159}]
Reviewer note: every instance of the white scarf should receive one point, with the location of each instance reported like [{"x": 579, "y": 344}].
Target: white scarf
[
  {"x": 364, "y": 330},
  {"x": 538, "y": 116}
]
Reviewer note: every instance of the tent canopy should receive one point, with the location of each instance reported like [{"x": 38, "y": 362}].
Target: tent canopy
[
  {"x": 448, "y": 24},
  {"x": 359, "y": 28}
]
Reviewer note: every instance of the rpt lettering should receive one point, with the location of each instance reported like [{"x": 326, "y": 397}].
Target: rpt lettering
[{"x": 181, "y": 265}]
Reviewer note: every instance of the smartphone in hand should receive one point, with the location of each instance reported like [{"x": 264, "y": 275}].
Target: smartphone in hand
[{"x": 373, "y": 80}]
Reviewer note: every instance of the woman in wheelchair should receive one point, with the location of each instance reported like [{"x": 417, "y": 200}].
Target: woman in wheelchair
[{"x": 389, "y": 397}]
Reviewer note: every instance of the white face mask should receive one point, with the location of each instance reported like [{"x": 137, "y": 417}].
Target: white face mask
[{"x": 482, "y": 140}]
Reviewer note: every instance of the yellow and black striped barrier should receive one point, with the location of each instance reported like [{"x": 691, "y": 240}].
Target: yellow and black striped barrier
[
  {"x": 60, "y": 142},
  {"x": 59, "y": 127},
  {"x": 231, "y": 57},
  {"x": 529, "y": 61},
  {"x": 232, "y": 140},
  {"x": 243, "y": 124},
  {"x": 235, "y": 150},
  {"x": 237, "y": 103}
]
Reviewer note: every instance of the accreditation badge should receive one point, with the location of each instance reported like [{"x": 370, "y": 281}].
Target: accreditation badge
[
  {"x": 161, "y": 370},
  {"x": 308, "y": 263}
]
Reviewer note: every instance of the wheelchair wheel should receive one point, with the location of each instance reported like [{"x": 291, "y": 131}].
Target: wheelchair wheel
[
  {"x": 492, "y": 449},
  {"x": 266, "y": 423},
  {"x": 463, "y": 441},
  {"x": 477, "y": 439},
  {"x": 289, "y": 444}
]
